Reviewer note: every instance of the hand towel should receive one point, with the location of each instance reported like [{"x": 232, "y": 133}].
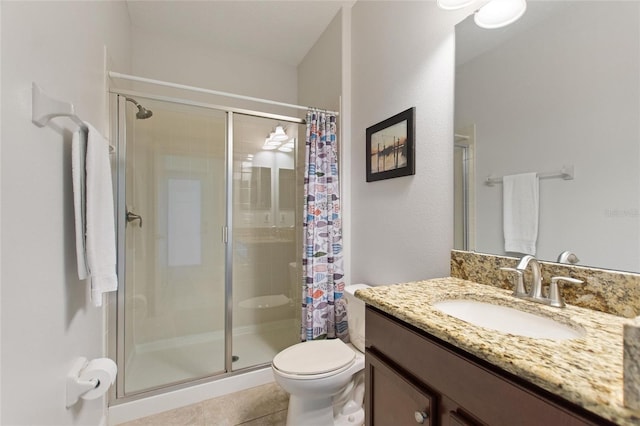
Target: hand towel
[
  {"x": 78, "y": 156},
  {"x": 100, "y": 227},
  {"x": 520, "y": 212}
]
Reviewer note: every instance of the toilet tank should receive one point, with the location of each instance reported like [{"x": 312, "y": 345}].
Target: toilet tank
[{"x": 355, "y": 315}]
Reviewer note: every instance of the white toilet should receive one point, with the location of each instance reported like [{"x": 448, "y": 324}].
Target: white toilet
[{"x": 325, "y": 378}]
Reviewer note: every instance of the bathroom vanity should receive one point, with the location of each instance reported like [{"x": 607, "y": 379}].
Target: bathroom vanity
[{"x": 426, "y": 367}]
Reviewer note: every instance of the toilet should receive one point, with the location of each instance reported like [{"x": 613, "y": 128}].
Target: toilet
[{"x": 325, "y": 378}]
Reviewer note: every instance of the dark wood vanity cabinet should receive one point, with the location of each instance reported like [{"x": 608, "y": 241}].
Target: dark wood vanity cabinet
[
  {"x": 397, "y": 398},
  {"x": 414, "y": 378}
]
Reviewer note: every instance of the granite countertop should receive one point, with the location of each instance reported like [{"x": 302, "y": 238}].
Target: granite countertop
[{"x": 587, "y": 371}]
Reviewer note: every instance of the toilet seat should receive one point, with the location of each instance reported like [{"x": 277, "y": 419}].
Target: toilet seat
[{"x": 314, "y": 359}]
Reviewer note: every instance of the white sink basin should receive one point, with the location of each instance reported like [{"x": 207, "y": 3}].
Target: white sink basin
[{"x": 508, "y": 320}]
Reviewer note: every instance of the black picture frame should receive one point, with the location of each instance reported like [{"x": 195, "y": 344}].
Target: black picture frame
[{"x": 390, "y": 147}]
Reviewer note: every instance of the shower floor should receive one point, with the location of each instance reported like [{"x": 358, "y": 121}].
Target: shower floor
[{"x": 148, "y": 369}]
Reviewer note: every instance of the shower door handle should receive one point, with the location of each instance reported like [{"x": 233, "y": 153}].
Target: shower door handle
[{"x": 131, "y": 216}]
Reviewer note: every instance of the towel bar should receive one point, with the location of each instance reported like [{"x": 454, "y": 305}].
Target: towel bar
[
  {"x": 44, "y": 108},
  {"x": 566, "y": 173}
]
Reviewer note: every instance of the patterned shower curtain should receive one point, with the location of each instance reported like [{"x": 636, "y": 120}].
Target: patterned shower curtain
[{"x": 323, "y": 306}]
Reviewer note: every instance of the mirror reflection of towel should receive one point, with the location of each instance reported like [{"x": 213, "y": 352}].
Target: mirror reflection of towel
[{"x": 520, "y": 212}]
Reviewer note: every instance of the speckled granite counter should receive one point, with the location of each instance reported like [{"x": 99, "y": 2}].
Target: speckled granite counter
[
  {"x": 587, "y": 371},
  {"x": 605, "y": 290}
]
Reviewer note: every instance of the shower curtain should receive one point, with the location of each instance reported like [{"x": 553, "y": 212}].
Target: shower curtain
[{"x": 323, "y": 306}]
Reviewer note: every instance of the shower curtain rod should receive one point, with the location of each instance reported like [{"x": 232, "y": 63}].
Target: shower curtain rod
[{"x": 114, "y": 74}]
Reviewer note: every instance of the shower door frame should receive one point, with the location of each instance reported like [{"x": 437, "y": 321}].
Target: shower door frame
[
  {"x": 465, "y": 140},
  {"x": 119, "y": 125}
]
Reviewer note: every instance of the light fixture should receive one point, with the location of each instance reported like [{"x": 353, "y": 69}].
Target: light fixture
[
  {"x": 500, "y": 13},
  {"x": 276, "y": 141},
  {"x": 279, "y": 134},
  {"x": 493, "y": 14},
  {"x": 453, "y": 4}
]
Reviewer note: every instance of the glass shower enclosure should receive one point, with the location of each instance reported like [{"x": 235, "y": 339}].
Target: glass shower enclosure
[{"x": 207, "y": 239}]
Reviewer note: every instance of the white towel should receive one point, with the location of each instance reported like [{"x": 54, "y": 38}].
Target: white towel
[
  {"x": 520, "y": 212},
  {"x": 78, "y": 156},
  {"x": 100, "y": 240}
]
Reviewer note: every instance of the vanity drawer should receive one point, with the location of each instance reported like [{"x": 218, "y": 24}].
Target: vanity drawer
[{"x": 485, "y": 392}]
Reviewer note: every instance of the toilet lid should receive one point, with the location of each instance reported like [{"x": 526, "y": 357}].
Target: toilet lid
[{"x": 314, "y": 357}]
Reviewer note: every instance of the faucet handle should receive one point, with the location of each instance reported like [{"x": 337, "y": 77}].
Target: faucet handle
[
  {"x": 554, "y": 292},
  {"x": 518, "y": 282}
]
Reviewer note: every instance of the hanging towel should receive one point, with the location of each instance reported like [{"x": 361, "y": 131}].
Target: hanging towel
[
  {"x": 520, "y": 212},
  {"x": 99, "y": 236},
  {"x": 78, "y": 156}
]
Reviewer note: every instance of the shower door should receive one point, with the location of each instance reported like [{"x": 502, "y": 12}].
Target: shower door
[
  {"x": 174, "y": 262},
  {"x": 266, "y": 294},
  {"x": 207, "y": 240}
]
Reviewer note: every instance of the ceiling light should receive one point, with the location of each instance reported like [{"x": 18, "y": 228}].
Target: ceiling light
[
  {"x": 279, "y": 135},
  {"x": 285, "y": 149},
  {"x": 270, "y": 141},
  {"x": 453, "y": 4},
  {"x": 269, "y": 147},
  {"x": 500, "y": 13}
]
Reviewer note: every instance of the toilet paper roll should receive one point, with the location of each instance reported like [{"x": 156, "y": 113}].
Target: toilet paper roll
[{"x": 102, "y": 369}]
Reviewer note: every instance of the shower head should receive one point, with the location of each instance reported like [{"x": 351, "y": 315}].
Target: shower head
[{"x": 142, "y": 111}]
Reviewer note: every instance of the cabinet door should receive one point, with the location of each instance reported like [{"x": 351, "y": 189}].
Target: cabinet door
[{"x": 395, "y": 398}]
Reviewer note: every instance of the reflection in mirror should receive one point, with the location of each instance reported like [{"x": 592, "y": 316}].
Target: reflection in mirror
[
  {"x": 560, "y": 87},
  {"x": 255, "y": 188},
  {"x": 286, "y": 189}
]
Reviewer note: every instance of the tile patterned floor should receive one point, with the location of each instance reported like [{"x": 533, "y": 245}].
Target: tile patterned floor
[{"x": 264, "y": 405}]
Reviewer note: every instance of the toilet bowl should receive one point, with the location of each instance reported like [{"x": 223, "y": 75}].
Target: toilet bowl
[{"x": 325, "y": 378}]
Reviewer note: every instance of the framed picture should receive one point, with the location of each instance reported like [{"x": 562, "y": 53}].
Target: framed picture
[{"x": 390, "y": 147}]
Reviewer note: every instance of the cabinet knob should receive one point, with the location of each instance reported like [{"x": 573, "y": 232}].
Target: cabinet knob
[{"x": 420, "y": 416}]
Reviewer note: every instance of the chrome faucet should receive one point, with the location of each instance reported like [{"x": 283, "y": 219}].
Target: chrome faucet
[{"x": 535, "y": 290}]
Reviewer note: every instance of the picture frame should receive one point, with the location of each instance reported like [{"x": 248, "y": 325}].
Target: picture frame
[{"x": 390, "y": 147}]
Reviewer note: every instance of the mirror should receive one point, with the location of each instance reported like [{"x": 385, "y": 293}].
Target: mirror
[
  {"x": 255, "y": 188},
  {"x": 286, "y": 189},
  {"x": 560, "y": 88}
]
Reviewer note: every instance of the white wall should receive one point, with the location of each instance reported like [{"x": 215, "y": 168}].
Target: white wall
[
  {"x": 564, "y": 92},
  {"x": 46, "y": 320},
  {"x": 403, "y": 56},
  {"x": 180, "y": 61},
  {"x": 319, "y": 73}
]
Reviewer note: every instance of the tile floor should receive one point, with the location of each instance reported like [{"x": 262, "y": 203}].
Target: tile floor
[{"x": 264, "y": 405}]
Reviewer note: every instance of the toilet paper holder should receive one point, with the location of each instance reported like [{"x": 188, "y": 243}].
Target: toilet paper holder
[{"x": 77, "y": 387}]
